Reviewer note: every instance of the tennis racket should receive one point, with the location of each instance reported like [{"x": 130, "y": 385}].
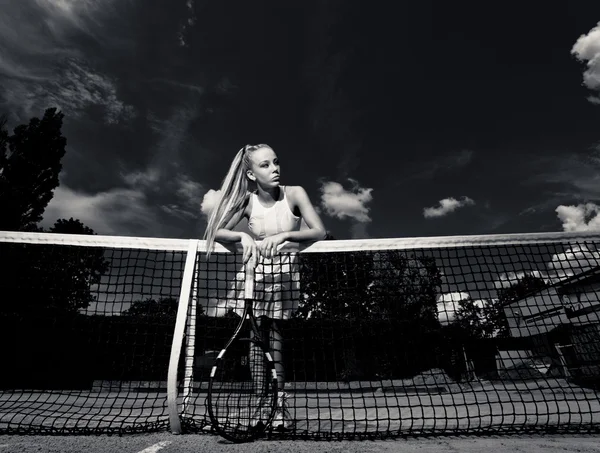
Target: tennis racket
[{"x": 242, "y": 390}]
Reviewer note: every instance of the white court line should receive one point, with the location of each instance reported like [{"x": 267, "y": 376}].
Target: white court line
[{"x": 154, "y": 448}]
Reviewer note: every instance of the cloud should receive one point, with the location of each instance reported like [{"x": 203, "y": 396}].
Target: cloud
[
  {"x": 72, "y": 89},
  {"x": 146, "y": 179},
  {"x": 587, "y": 49},
  {"x": 448, "y": 304},
  {"x": 188, "y": 193},
  {"x": 189, "y": 190},
  {"x": 174, "y": 149},
  {"x": 209, "y": 201},
  {"x": 44, "y": 60},
  {"x": 510, "y": 278},
  {"x": 166, "y": 171},
  {"x": 574, "y": 259},
  {"x": 77, "y": 13},
  {"x": 447, "y": 205},
  {"x": 341, "y": 203},
  {"x": 43, "y": 29},
  {"x": 348, "y": 204},
  {"x": 183, "y": 193},
  {"x": 78, "y": 87},
  {"x": 119, "y": 211},
  {"x": 583, "y": 217},
  {"x": 135, "y": 207},
  {"x": 140, "y": 197}
]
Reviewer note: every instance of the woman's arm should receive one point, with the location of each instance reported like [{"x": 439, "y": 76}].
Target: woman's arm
[
  {"x": 226, "y": 234},
  {"x": 316, "y": 231}
]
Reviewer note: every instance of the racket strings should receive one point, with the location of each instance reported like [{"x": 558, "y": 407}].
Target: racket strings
[{"x": 242, "y": 397}]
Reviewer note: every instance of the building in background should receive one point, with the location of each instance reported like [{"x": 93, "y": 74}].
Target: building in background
[
  {"x": 562, "y": 323},
  {"x": 574, "y": 300}
]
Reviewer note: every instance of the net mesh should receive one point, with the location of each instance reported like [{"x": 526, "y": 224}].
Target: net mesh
[
  {"x": 372, "y": 338},
  {"x": 86, "y": 334}
]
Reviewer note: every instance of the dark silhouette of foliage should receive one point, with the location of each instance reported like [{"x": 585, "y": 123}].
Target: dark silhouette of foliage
[
  {"x": 51, "y": 277},
  {"x": 335, "y": 285},
  {"x": 362, "y": 285},
  {"x": 480, "y": 320},
  {"x": 489, "y": 319},
  {"x": 152, "y": 308},
  {"x": 40, "y": 277},
  {"x": 405, "y": 287},
  {"x": 30, "y": 162},
  {"x": 526, "y": 285}
]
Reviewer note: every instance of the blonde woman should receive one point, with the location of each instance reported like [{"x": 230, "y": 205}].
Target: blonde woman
[{"x": 274, "y": 213}]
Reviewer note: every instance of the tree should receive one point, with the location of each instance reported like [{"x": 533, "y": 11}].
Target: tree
[
  {"x": 468, "y": 317},
  {"x": 480, "y": 320},
  {"x": 487, "y": 320},
  {"x": 524, "y": 286},
  {"x": 71, "y": 226},
  {"x": 51, "y": 276},
  {"x": 336, "y": 285},
  {"x": 388, "y": 284},
  {"x": 371, "y": 311},
  {"x": 405, "y": 287},
  {"x": 44, "y": 277},
  {"x": 29, "y": 170},
  {"x": 165, "y": 308}
]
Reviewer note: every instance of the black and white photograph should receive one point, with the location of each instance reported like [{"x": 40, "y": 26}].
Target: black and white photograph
[{"x": 317, "y": 225}]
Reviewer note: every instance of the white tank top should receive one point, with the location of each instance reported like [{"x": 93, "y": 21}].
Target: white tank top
[{"x": 279, "y": 218}]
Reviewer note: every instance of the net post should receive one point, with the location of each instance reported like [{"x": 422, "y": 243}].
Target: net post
[
  {"x": 190, "y": 349},
  {"x": 180, "y": 323}
]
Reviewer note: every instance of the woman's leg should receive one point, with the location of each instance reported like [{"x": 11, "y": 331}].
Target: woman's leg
[
  {"x": 277, "y": 350},
  {"x": 282, "y": 418},
  {"x": 256, "y": 361}
]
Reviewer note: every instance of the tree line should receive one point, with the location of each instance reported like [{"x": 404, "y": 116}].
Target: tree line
[{"x": 349, "y": 301}]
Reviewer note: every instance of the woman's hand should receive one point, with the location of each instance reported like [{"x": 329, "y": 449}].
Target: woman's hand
[
  {"x": 268, "y": 246},
  {"x": 249, "y": 248}
]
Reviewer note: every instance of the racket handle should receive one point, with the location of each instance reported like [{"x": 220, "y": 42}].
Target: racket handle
[{"x": 249, "y": 278}]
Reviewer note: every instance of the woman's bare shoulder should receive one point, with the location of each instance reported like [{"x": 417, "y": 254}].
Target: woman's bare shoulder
[
  {"x": 293, "y": 191},
  {"x": 295, "y": 195}
]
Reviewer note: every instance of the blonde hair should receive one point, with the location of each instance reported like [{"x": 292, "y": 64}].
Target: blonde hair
[{"x": 234, "y": 192}]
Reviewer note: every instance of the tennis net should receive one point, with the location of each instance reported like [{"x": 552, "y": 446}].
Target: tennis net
[{"x": 379, "y": 338}]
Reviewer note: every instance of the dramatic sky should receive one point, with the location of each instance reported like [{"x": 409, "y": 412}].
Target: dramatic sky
[{"x": 425, "y": 118}]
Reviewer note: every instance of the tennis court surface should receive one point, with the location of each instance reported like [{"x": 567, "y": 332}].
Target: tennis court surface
[
  {"x": 477, "y": 335},
  {"x": 168, "y": 443}
]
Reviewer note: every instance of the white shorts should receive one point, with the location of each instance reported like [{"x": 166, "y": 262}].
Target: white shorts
[{"x": 276, "y": 287}]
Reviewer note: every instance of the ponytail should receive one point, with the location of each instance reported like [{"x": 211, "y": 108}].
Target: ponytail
[{"x": 234, "y": 191}]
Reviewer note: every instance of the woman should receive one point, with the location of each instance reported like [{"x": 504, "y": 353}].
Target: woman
[{"x": 274, "y": 213}]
